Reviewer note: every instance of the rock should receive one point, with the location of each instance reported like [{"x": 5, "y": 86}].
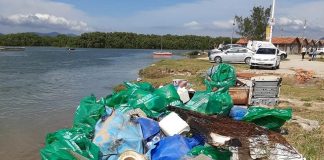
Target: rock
[{"x": 306, "y": 124}]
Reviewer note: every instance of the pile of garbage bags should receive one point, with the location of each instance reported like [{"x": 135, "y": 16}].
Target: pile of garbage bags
[{"x": 147, "y": 123}]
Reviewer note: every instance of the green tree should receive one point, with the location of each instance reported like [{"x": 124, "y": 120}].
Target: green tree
[{"x": 254, "y": 26}]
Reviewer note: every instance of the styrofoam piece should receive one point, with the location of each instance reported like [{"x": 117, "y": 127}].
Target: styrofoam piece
[
  {"x": 172, "y": 124},
  {"x": 219, "y": 140},
  {"x": 184, "y": 95}
]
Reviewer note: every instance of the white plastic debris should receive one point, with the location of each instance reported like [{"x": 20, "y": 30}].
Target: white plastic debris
[
  {"x": 219, "y": 140},
  {"x": 172, "y": 124},
  {"x": 184, "y": 94}
]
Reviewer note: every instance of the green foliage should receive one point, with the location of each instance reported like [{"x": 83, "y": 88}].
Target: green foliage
[
  {"x": 114, "y": 40},
  {"x": 254, "y": 27}
]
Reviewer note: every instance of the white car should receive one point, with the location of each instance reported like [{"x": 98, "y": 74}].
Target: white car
[
  {"x": 235, "y": 54},
  {"x": 254, "y": 46},
  {"x": 266, "y": 58},
  {"x": 320, "y": 51}
]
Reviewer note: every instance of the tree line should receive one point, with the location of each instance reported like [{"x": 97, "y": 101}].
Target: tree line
[{"x": 115, "y": 40}]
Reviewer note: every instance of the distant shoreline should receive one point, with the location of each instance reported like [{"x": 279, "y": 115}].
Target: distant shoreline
[{"x": 120, "y": 40}]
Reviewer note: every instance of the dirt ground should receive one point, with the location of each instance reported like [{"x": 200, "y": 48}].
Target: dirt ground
[
  {"x": 295, "y": 62},
  {"x": 292, "y": 62}
]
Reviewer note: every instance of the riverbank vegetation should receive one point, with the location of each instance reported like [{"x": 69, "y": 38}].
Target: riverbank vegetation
[{"x": 114, "y": 40}]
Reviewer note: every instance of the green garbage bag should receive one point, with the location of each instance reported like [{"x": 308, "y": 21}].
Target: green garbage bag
[
  {"x": 151, "y": 104},
  {"x": 206, "y": 102},
  {"x": 272, "y": 119},
  {"x": 69, "y": 144},
  {"x": 223, "y": 77},
  {"x": 140, "y": 85},
  {"x": 170, "y": 94},
  {"x": 118, "y": 98},
  {"x": 88, "y": 113},
  {"x": 212, "y": 152}
]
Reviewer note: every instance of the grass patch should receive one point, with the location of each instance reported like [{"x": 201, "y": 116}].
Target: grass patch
[
  {"x": 193, "y": 70},
  {"x": 307, "y": 104},
  {"x": 310, "y": 91},
  {"x": 310, "y": 144},
  {"x": 306, "y": 99}
]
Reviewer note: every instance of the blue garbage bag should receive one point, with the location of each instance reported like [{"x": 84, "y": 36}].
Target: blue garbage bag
[
  {"x": 174, "y": 147},
  {"x": 116, "y": 134},
  {"x": 238, "y": 112},
  {"x": 149, "y": 127}
]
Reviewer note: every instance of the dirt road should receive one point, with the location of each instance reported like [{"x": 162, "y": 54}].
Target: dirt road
[
  {"x": 292, "y": 62},
  {"x": 295, "y": 62}
]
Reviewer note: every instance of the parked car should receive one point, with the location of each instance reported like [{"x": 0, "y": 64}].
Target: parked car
[
  {"x": 320, "y": 51},
  {"x": 228, "y": 46},
  {"x": 267, "y": 57},
  {"x": 254, "y": 46},
  {"x": 235, "y": 54}
]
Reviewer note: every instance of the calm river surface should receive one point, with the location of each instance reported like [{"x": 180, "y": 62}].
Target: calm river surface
[{"x": 40, "y": 89}]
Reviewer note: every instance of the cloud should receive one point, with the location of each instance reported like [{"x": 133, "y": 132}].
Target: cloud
[
  {"x": 42, "y": 16},
  {"x": 223, "y": 24},
  {"x": 193, "y": 25},
  {"x": 44, "y": 21},
  {"x": 288, "y": 22}
]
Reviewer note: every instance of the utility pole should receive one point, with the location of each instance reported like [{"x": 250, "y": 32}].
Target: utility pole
[
  {"x": 304, "y": 29},
  {"x": 272, "y": 21},
  {"x": 233, "y": 30}
]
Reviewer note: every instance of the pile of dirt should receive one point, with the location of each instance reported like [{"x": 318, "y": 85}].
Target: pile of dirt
[{"x": 303, "y": 76}]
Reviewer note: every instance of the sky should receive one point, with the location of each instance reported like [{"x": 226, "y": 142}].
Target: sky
[{"x": 181, "y": 17}]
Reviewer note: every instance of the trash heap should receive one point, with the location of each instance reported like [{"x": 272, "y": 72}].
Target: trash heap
[{"x": 145, "y": 123}]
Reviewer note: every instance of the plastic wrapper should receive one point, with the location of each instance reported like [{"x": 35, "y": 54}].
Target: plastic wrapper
[
  {"x": 117, "y": 134},
  {"x": 149, "y": 127},
  {"x": 173, "y": 147},
  {"x": 238, "y": 112}
]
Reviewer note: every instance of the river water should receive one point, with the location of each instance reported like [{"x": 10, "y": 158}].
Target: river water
[{"x": 40, "y": 89}]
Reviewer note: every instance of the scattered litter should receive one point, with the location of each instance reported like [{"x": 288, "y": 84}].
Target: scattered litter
[
  {"x": 175, "y": 122},
  {"x": 306, "y": 124}
]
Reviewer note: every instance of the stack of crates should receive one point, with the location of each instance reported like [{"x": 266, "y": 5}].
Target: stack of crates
[{"x": 265, "y": 90}]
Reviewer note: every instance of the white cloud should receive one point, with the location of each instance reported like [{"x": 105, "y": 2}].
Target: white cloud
[
  {"x": 41, "y": 16},
  {"x": 223, "y": 24},
  {"x": 285, "y": 21},
  {"x": 193, "y": 25},
  {"x": 44, "y": 21}
]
